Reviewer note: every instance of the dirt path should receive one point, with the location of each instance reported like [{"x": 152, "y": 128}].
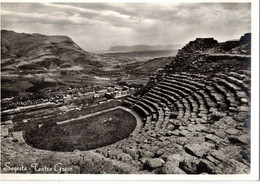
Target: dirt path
[
  {"x": 139, "y": 121},
  {"x": 86, "y": 116}
]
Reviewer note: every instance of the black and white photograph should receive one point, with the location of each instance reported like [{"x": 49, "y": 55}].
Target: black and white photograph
[{"x": 128, "y": 88}]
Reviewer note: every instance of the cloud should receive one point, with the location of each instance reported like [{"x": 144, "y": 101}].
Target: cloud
[{"x": 97, "y": 26}]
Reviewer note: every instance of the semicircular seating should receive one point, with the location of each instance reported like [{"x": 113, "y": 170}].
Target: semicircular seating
[
  {"x": 185, "y": 96},
  {"x": 184, "y": 108}
]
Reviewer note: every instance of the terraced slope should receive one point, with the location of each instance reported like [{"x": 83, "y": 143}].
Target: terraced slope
[
  {"x": 198, "y": 120},
  {"x": 201, "y": 122}
]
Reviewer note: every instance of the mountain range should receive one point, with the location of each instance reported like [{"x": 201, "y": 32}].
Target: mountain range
[
  {"x": 32, "y": 62},
  {"x": 40, "y": 52}
]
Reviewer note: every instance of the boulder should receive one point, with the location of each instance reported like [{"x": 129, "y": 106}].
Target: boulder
[
  {"x": 220, "y": 133},
  {"x": 199, "y": 150},
  {"x": 160, "y": 152},
  {"x": 240, "y": 126},
  {"x": 213, "y": 160},
  {"x": 244, "y": 109},
  {"x": 148, "y": 154},
  {"x": 124, "y": 157},
  {"x": 227, "y": 120},
  {"x": 219, "y": 155},
  {"x": 243, "y": 139},
  {"x": 241, "y": 116},
  {"x": 185, "y": 133},
  {"x": 143, "y": 160},
  {"x": 155, "y": 163},
  {"x": 189, "y": 166},
  {"x": 213, "y": 138},
  {"x": 75, "y": 159},
  {"x": 170, "y": 127},
  {"x": 134, "y": 153},
  {"x": 233, "y": 166},
  {"x": 205, "y": 166},
  {"x": 208, "y": 130},
  {"x": 171, "y": 168},
  {"x": 176, "y": 132},
  {"x": 175, "y": 158},
  {"x": 182, "y": 141},
  {"x": 232, "y": 131}
]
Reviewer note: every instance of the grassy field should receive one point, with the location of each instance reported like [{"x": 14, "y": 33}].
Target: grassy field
[{"x": 86, "y": 134}]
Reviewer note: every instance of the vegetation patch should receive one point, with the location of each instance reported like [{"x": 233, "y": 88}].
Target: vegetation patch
[{"x": 85, "y": 134}]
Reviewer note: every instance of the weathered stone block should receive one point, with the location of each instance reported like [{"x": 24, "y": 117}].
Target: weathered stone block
[
  {"x": 155, "y": 163},
  {"x": 199, "y": 150},
  {"x": 171, "y": 168},
  {"x": 232, "y": 131}
]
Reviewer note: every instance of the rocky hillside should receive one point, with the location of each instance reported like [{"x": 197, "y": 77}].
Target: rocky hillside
[{"x": 40, "y": 52}]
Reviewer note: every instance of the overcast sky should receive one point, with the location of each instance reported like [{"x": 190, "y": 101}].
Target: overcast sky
[{"x": 97, "y": 26}]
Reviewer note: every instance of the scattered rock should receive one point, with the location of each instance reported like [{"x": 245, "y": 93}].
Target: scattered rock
[
  {"x": 168, "y": 133},
  {"x": 124, "y": 157},
  {"x": 243, "y": 139},
  {"x": 171, "y": 168},
  {"x": 244, "y": 109},
  {"x": 134, "y": 153},
  {"x": 146, "y": 154},
  {"x": 233, "y": 166},
  {"x": 218, "y": 154},
  {"x": 75, "y": 159},
  {"x": 232, "y": 131},
  {"x": 185, "y": 133},
  {"x": 199, "y": 150},
  {"x": 160, "y": 152},
  {"x": 240, "y": 126},
  {"x": 213, "y": 160},
  {"x": 208, "y": 130},
  {"x": 175, "y": 158},
  {"x": 220, "y": 133},
  {"x": 241, "y": 116},
  {"x": 171, "y": 127},
  {"x": 215, "y": 116},
  {"x": 181, "y": 140},
  {"x": 205, "y": 166},
  {"x": 176, "y": 132},
  {"x": 15, "y": 140},
  {"x": 189, "y": 166},
  {"x": 227, "y": 120},
  {"x": 155, "y": 163},
  {"x": 143, "y": 160},
  {"x": 213, "y": 138}
]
